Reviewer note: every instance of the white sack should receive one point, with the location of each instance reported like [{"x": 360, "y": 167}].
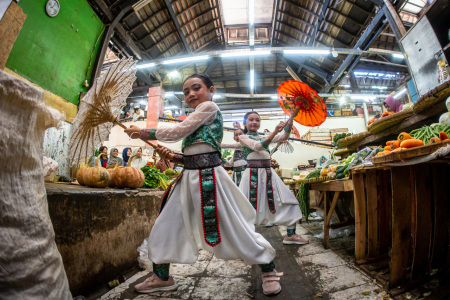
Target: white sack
[
  {"x": 30, "y": 264},
  {"x": 49, "y": 165}
]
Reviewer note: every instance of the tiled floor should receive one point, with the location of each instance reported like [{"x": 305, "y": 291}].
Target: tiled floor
[{"x": 310, "y": 272}]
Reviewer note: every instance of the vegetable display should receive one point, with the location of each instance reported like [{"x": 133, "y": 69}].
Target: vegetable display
[
  {"x": 80, "y": 173},
  {"x": 96, "y": 176},
  {"x": 111, "y": 173},
  {"x": 425, "y": 133},
  {"x": 154, "y": 178},
  {"x": 338, "y": 137},
  {"x": 128, "y": 177},
  {"x": 303, "y": 194},
  {"x": 385, "y": 114}
]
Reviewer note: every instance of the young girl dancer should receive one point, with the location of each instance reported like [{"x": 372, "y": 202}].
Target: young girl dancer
[
  {"x": 273, "y": 201},
  {"x": 239, "y": 161},
  {"x": 202, "y": 208}
]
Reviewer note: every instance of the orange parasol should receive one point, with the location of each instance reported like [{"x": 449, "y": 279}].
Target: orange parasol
[{"x": 313, "y": 110}]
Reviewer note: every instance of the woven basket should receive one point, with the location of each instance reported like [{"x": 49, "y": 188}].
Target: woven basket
[
  {"x": 389, "y": 121},
  {"x": 343, "y": 152},
  {"x": 438, "y": 94},
  {"x": 410, "y": 153},
  {"x": 345, "y": 142}
]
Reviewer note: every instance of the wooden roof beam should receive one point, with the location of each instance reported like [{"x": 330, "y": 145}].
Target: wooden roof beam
[
  {"x": 197, "y": 17},
  {"x": 177, "y": 25},
  {"x": 340, "y": 28},
  {"x": 297, "y": 18},
  {"x": 162, "y": 40},
  {"x": 319, "y": 22},
  {"x": 211, "y": 65},
  {"x": 295, "y": 29},
  {"x": 345, "y": 16},
  {"x": 200, "y": 28},
  {"x": 203, "y": 35},
  {"x": 291, "y": 37},
  {"x": 171, "y": 47},
  {"x": 275, "y": 19},
  {"x": 301, "y": 8},
  {"x": 341, "y": 44},
  {"x": 206, "y": 44},
  {"x": 148, "y": 19},
  {"x": 192, "y": 6},
  {"x": 358, "y": 6},
  {"x": 154, "y": 30}
]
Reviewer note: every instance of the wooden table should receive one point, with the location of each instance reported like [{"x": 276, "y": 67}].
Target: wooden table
[
  {"x": 336, "y": 186},
  {"x": 404, "y": 209}
]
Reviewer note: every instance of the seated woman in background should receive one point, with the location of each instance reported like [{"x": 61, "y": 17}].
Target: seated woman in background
[
  {"x": 127, "y": 116},
  {"x": 126, "y": 153},
  {"x": 103, "y": 158},
  {"x": 392, "y": 105},
  {"x": 138, "y": 161},
  {"x": 114, "y": 158}
]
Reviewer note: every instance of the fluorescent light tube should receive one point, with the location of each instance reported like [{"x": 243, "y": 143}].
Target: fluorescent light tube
[
  {"x": 252, "y": 80},
  {"x": 143, "y": 66},
  {"x": 185, "y": 59},
  {"x": 398, "y": 55},
  {"x": 251, "y": 11},
  {"x": 401, "y": 92},
  {"x": 245, "y": 53},
  {"x": 307, "y": 51}
]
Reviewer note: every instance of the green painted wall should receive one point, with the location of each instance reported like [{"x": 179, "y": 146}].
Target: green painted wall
[{"x": 52, "y": 54}]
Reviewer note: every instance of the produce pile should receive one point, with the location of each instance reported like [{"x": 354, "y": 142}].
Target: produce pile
[
  {"x": 154, "y": 178},
  {"x": 342, "y": 170},
  {"x": 416, "y": 138},
  {"x": 385, "y": 114},
  {"x": 338, "y": 137},
  {"x": 303, "y": 194},
  {"x": 336, "y": 171},
  {"x": 427, "y": 133}
]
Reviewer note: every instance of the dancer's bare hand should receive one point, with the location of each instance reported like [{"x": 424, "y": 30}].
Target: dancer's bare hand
[
  {"x": 164, "y": 152},
  {"x": 280, "y": 126},
  {"x": 133, "y": 132},
  {"x": 294, "y": 112}
]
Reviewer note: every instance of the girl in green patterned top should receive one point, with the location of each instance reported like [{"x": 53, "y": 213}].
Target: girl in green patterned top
[
  {"x": 202, "y": 208},
  {"x": 239, "y": 161},
  {"x": 273, "y": 201}
]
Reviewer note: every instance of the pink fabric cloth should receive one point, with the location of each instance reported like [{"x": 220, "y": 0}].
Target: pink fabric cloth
[{"x": 394, "y": 104}]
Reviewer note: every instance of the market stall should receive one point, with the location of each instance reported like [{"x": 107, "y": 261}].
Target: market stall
[{"x": 401, "y": 202}]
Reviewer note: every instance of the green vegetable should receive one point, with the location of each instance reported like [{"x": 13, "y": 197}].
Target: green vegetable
[
  {"x": 340, "y": 169},
  {"x": 339, "y": 136},
  {"x": 340, "y": 176},
  {"x": 169, "y": 172},
  {"x": 226, "y": 153},
  {"x": 303, "y": 194},
  {"x": 154, "y": 178},
  {"x": 425, "y": 133}
]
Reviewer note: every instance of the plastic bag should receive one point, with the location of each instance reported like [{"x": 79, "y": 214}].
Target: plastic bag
[
  {"x": 144, "y": 261},
  {"x": 338, "y": 233}
]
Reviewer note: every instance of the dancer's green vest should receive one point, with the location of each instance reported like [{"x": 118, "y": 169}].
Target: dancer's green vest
[{"x": 211, "y": 134}]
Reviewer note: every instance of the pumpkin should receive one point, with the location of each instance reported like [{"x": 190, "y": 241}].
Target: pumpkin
[
  {"x": 129, "y": 177},
  {"x": 80, "y": 173},
  {"x": 96, "y": 176},
  {"x": 111, "y": 170}
]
